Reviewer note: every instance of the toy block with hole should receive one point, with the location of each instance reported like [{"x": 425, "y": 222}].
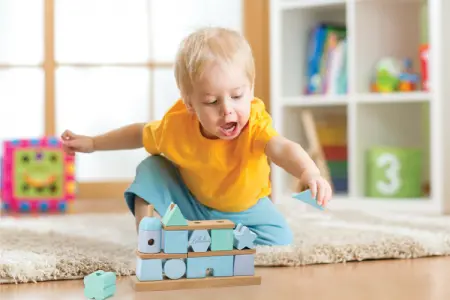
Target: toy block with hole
[
  {"x": 99, "y": 285},
  {"x": 243, "y": 237},
  {"x": 185, "y": 258},
  {"x": 219, "y": 266},
  {"x": 173, "y": 216},
  {"x": 307, "y": 198},
  {"x": 37, "y": 176},
  {"x": 199, "y": 240},
  {"x": 149, "y": 240}
]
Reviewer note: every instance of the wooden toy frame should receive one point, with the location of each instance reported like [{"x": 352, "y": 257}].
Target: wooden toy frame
[
  {"x": 16, "y": 204},
  {"x": 151, "y": 249}
]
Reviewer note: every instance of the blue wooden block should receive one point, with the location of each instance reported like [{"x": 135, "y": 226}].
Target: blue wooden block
[
  {"x": 149, "y": 269},
  {"x": 99, "y": 285},
  {"x": 306, "y": 197},
  {"x": 149, "y": 241},
  {"x": 220, "y": 266},
  {"x": 175, "y": 268},
  {"x": 244, "y": 265},
  {"x": 199, "y": 240},
  {"x": 243, "y": 237},
  {"x": 175, "y": 241}
]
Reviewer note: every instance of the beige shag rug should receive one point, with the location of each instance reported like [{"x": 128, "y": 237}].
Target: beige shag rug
[{"x": 72, "y": 246}]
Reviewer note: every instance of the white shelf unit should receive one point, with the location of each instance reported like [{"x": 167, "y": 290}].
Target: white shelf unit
[{"x": 375, "y": 28}]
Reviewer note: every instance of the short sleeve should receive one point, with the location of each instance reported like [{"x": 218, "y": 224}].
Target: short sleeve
[
  {"x": 152, "y": 136},
  {"x": 263, "y": 131}
]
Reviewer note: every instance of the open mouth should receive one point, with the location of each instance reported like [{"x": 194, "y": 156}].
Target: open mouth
[{"x": 229, "y": 129}]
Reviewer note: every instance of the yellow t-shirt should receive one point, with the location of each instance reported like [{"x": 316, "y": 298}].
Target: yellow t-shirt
[{"x": 226, "y": 175}]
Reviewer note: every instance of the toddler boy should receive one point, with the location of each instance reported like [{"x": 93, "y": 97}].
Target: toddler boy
[{"x": 210, "y": 151}]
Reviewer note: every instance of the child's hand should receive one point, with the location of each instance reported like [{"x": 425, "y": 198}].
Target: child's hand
[
  {"x": 77, "y": 143},
  {"x": 319, "y": 186}
]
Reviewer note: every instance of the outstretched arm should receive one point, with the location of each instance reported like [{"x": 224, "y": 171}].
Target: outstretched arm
[
  {"x": 295, "y": 160},
  {"x": 127, "y": 137}
]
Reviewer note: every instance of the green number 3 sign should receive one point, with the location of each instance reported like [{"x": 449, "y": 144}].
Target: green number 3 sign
[{"x": 394, "y": 172}]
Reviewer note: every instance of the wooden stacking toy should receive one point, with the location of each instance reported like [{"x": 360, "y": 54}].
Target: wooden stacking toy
[{"x": 174, "y": 253}]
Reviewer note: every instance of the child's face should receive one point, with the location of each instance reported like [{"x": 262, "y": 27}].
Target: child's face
[{"x": 222, "y": 101}]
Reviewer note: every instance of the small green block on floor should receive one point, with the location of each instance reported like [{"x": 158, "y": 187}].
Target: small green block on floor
[
  {"x": 99, "y": 285},
  {"x": 222, "y": 239}
]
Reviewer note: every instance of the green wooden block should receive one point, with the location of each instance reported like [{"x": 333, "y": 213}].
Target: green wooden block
[
  {"x": 99, "y": 285},
  {"x": 394, "y": 172},
  {"x": 222, "y": 239}
]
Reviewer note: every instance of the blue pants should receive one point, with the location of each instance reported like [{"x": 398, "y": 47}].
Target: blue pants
[{"x": 159, "y": 183}]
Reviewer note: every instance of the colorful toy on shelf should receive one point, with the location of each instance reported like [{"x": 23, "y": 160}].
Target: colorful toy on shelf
[
  {"x": 393, "y": 75},
  {"x": 174, "y": 253},
  {"x": 99, "y": 285},
  {"x": 408, "y": 81},
  {"x": 37, "y": 176},
  {"x": 386, "y": 79}
]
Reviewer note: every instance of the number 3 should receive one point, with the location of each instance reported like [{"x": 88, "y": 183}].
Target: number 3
[{"x": 392, "y": 173}]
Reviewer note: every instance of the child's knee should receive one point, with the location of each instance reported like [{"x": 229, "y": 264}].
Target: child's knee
[
  {"x": 286, "y": 237},
  {"x": 270, "y": 235},
  {"x": 154, "y": 163}
]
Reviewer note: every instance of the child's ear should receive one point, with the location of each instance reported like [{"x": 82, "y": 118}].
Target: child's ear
[{"x": 188, "y": 105}]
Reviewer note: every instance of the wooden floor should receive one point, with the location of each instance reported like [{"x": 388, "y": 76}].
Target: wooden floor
[{"x": 424, "y": 279}]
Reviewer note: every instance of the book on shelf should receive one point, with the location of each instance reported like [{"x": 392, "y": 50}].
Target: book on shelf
[{"x": 326, "y": 60}]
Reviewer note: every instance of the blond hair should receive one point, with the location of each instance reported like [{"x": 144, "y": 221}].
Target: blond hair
[{"x": 207, "y": 45}]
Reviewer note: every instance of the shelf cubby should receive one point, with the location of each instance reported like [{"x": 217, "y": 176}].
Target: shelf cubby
[
  {"x": 405, "y": 117},
  {"x": 398, "y": 136},
  {"x": 297, "y": 23}
]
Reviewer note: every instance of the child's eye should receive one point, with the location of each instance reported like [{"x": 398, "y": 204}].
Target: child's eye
[
  {"x": 237, "y": 97},
  {"x": 212, "y": 102}
]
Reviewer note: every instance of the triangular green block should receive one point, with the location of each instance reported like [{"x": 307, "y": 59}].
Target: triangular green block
[{"x": 174, "y": 217}]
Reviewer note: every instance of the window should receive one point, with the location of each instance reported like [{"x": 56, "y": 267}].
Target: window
[{"x": 93, "y": 65}]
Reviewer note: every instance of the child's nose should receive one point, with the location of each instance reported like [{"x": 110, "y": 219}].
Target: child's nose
[{"x": 226, "y": 109}]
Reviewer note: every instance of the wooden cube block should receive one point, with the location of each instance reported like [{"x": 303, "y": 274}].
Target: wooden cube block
[
  {"x": 244, "y": 265},
  {"x": 175, "y": 241},
  {"x": 149, "y": 269},
  {"x": 222, "y": 239}
]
